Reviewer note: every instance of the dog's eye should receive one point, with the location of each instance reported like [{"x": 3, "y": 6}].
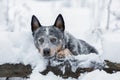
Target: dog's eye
[
  {"x": 53, "y": 40},
  {"x": 41, "y": 40}
]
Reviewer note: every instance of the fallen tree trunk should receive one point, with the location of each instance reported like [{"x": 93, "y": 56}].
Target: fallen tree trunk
[
  {"x": 68, "y": 72},
  {"x": 20, "y": 70},
  {"x": 109, "y": 67},
  {"x": 15, "y": 70}
]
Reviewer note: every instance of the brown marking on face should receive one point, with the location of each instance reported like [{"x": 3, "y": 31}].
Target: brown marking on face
[
  {"x": 55, "y": 50},
  {"x": 59, "y": 48},
  {"x": 52, "y": 50}
]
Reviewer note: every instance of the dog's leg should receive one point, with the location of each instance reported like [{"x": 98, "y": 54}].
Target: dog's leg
[{"x": 64, "y": 53}]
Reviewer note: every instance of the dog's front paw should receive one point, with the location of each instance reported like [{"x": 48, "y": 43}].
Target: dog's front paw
[{"x": 64, "y": 53}]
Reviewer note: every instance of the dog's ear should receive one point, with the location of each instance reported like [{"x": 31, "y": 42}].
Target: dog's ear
[
  {"x": 35, "y": 24},
  {"x": 59, "y": 23}
]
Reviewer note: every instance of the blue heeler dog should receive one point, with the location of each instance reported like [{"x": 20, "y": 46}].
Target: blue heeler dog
[{"x": 50, "y": 40}]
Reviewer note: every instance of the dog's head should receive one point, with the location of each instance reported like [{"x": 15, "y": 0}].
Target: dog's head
[{"x": 48, "y": 39}]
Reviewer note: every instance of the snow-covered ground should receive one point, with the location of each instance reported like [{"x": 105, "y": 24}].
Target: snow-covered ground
[
  {"x": 18, "y": 47},
  {"x": 111, "y": 46}
]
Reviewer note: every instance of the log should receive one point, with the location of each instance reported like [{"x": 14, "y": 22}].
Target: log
[
  {"x": 15, "y": 70},
  {"x": 68, "y": 71},
  {"x": 20, "y": 70},
  {"x": 109, "y": 67}
]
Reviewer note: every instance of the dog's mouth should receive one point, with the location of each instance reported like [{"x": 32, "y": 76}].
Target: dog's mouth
[{"x": 49, "y": 57}]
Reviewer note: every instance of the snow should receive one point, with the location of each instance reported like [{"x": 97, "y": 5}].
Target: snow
[
  {"x": 114, "y": 7},
  {"x": 15, "y": 43},
  {"x": 18, "y": 47},
  {"x": 90, "y": 60},
  {"x": 101, "y": 75},
  {"x": 111, "y": 46}
]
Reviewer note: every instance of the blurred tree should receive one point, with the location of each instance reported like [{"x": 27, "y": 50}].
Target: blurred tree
[{"x": 3, "y": 12}]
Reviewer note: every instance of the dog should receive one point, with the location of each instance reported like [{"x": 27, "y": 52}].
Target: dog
[{"x": 51, "y": 40}]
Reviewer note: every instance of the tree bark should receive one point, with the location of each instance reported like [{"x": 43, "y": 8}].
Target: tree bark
[
  {"x": 20, "y": 70},
  {"x": 15, "y": 70},
  {"x": 109, "y": 67}
]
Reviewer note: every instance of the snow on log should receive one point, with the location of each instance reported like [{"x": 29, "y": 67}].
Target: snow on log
[
  {"x": 20, "y": 70},
  {"x": 109, "y": 67},
  {"x": 111, "y": 46}
]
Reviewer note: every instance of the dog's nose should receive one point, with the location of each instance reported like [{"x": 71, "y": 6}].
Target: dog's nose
[{"x": 46, "y": 52}]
